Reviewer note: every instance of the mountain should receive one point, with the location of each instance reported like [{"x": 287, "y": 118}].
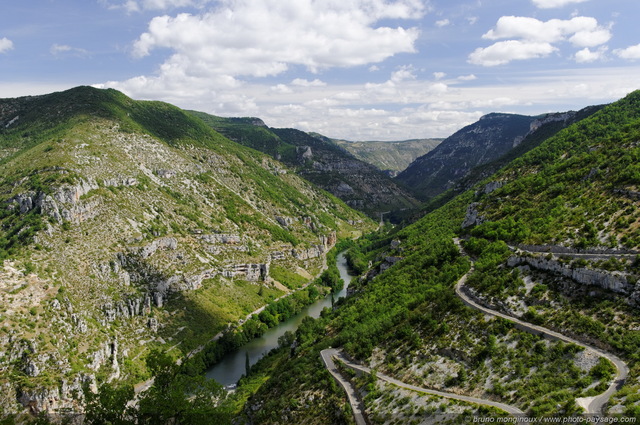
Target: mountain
[
  {"x": 476, "y": 144},
  {"x": 552, "y": 239},
  {"x": 542, "y": 128},
  {"x": 332, "y": 168},
  {"x": 129, "y": 226},
  {"x": 391, "y": 157}
]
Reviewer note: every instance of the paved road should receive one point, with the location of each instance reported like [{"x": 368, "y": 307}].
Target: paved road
[
  {"x": 357, "y": 407},
  {"x": 332, "y": 352},
  {"x": 594, "y": 405}
]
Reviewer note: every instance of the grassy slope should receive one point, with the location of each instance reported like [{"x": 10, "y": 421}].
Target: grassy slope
[{"x": 214, "y": 186}]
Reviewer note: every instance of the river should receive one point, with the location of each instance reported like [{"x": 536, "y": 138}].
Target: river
[{"x": 233, "y": 365}]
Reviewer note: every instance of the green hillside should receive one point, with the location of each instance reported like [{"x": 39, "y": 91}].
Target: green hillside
[
  {"x": 130, "y": 226},
  {"x": 573, "y": 199},
  {"x": 359, "y": 184},
  {"x": 390, "y": 156}
]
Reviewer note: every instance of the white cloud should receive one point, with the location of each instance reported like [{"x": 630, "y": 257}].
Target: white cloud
[
  {"x": 532, "y": 38},
  {"x": 131, "y": 6},
  {"x": 306, "y": 83},
  {"x": 631, "y": 52},
  {"x": 506, "y": 51},
  {"x": 469, "y": 77},
  {"x": 581, "y": 31},
  {"x": 403, "y": 74},
  {"x": 281, "y": 88},
  {"x": 374, "y": 68},
  {"x": 263, "y": 38},
  {"x": 550, "y": 4},
  {"x": 443, "y": 23},
  {"x": 592, "y": 38},
  {"x": 60, "y": 49},
  {"x": 5, "y": 45},
  {"x": 587, "y": 55},
  {"x": 439, "y": 75}
]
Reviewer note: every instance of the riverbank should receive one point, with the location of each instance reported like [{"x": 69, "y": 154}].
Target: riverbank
[{"x": 234, "y": 364}]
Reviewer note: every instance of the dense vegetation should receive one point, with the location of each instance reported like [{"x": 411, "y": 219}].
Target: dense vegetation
[{"x": 576, "y": 188}]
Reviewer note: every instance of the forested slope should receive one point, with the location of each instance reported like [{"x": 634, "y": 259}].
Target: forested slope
[{"x": 575, "y": 198}]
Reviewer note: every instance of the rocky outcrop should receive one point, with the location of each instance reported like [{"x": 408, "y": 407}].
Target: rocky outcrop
[
  {"x": 167, "y": 243},
  {"x": 304, "y": 153},
  {"x": 64, "y": 204},
  {"x": 472, "y": 217},
  {"x": 222, "y": 238},
  {"x": 166, "y": 174},
  {"x": 490, "y": 187},
  {"x": 68, "y": 396},
  {"x": 107, "y": 355},
  {"x": 613, "y": 281},
  {"x": 314, "y": 251},
  {"x": 389, "y": 262},
  {"x": 558, "y": 249},
  {"x": 284, "y": 221},
  {"x": 329, "y": 240},
  {"x": 121, "y": 182},
  {"x": 134, "y": 306},
  {"x": 249, "y": 272}
]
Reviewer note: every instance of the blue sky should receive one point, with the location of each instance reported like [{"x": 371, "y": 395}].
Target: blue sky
[{"x": 354, "y": 69}]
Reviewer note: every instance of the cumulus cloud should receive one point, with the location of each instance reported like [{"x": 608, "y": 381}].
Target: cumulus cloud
[
  {"x": 631, "y": 52},
  {"x": 586, "y": 55},
  {"x": 306, "y": 83},
  {"x": 581, "y": 31},
  {"x": 506, "y": 51},
  {"x": 5, "y": 45},
  {"x": 281, "y": 88},
  {"x": 550, "y": 4},
  {"x": 219, "y": 56},
  {"x": 260, "y": 38},
  {"x": 443, "y": 23},
  {"x": 532, "y": 38}
]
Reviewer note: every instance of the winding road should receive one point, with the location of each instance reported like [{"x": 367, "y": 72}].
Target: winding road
[
  {"x": 331, "y": 353},
  {"x": 592, "y": 405}
]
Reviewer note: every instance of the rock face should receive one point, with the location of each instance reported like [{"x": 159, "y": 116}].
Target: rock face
[
  {"x": 162, "y": 243},
  {"x": 479, "y": 143},
  {"x": 613, "y": 281},
  {"x": 473, "y": 217},
  {"x": 249, "y": 272},
  {"x": 64, "y": 204}
]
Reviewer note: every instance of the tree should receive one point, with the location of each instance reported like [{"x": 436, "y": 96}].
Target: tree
[
  {"x": 177, "y": 398},
  {"x": 109, "y": 405}
]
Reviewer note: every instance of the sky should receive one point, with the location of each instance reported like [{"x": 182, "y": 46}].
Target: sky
[{"x": 351, "y": 69}]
